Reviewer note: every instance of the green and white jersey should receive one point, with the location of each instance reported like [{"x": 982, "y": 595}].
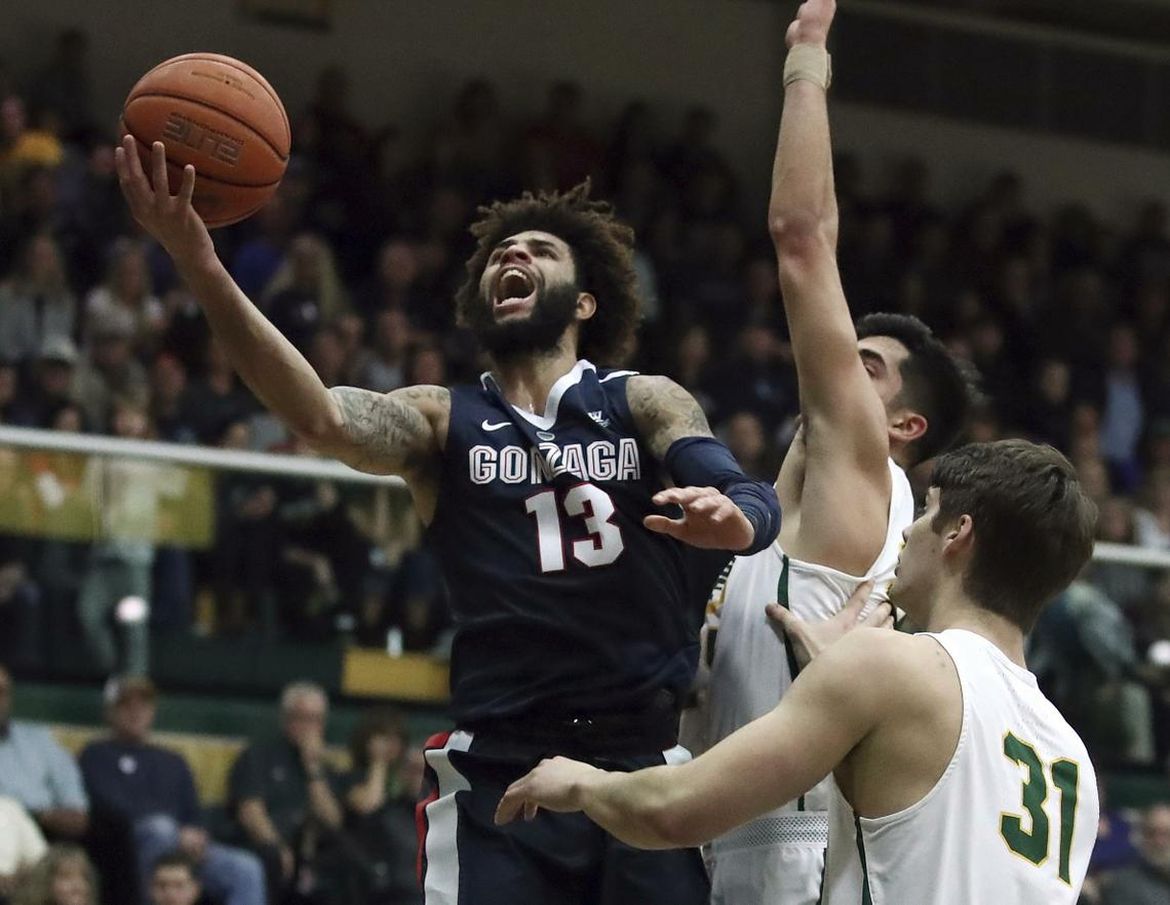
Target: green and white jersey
[
  {"x": 778, "y": 858},
  {"x": 1012, "y": 821}
]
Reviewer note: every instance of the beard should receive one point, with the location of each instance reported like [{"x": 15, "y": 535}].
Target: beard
[{"x": 552, "y": 313}]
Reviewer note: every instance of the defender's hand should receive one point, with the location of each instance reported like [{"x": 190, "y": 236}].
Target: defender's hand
[
  {"x": 555, "y": 785},
  {"x": 810, "y": 638},
  {"x": 168, "y": 218},
  {"x": 710, "y": 520},
  {"x": 811, "y": 25}
]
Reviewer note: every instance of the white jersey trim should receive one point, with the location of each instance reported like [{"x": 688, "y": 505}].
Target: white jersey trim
[
  {"x": 441, "y": 882},
  {"x": 569, "y": 379}
]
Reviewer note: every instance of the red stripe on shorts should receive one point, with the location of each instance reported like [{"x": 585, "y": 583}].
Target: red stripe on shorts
[{"x": 431, "y": 782}]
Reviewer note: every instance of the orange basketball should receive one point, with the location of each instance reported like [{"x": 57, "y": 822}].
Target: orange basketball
[{"x": 221, "y": 116}]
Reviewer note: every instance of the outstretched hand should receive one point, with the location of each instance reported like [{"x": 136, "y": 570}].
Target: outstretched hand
[
  {"x": 811, "y": 25},
  {"x": 810, "y": 638},
  {"x": 554, "y": 784},
  {"x": 168, "y": 218},
  {"x": 710, "y": 520}
]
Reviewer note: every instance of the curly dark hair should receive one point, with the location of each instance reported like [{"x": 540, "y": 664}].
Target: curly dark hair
[{"x": 603, "y": 254}]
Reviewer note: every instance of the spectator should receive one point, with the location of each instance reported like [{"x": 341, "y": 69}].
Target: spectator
[
  {"x": 216, "y": 399},
  {"x": 1152, "y": 521},
  {"x": 744, "y": 435},
  {"x": 1148, "y": 882},
  {"x": 117, "y": 586},
  {"x": 109, "y": 371},
  {"x": 306, "y": 291},
  {"x": 174, "y": 881},
  {"x": 65, "y": 877},
  {"x": 52, "y": 386},
  {"x": 383, "y": 369},
  {"x": 1121, "y": 421},
  {"x": 150, "y": 791},
  {"x": 21, "y": 845},
  {"x": 39, "y": 773},
  {"x": 125, "y": 304},
  {"x": 36, "y": 305},
  {"x": 379, "y": 812},
  {"x": 281, "y": 794}
]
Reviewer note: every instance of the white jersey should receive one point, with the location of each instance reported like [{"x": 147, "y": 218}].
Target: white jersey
[
  {"x": 751, "y": 669},
  {"x": 1012, "y": 821}
]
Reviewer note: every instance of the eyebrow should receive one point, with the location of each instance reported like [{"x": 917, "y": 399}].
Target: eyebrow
[{"x": 536, "y": 243}]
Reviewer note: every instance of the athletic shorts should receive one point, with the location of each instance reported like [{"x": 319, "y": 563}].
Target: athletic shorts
[
  {"x": 773, "y": 861},
  {"x": 555, "y": 859}
]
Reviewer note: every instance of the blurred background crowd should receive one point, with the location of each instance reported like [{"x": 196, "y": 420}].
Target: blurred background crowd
[{"x": 356, "y": 260}]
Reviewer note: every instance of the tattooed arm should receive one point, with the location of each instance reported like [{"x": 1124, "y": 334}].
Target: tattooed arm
[
  {"x": 722, "y": 509},
  {"x": 400, "y": 432},
  {"x": 664, "y": 412}
]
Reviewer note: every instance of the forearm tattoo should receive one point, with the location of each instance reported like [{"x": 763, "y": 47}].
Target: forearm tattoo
[{"x": 664, "y": 412}]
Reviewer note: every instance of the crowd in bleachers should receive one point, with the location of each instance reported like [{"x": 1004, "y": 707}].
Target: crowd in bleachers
[
  {"x": 296, "y": 828},
  {"x": 356, "y": 260}
]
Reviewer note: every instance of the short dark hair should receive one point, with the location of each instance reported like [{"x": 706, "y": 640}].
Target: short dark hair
[
  {"x": 603, "y": 253},
  {"x": 379, "y": 721},
  {"x": 935, "y": 383},
  {"x": 1034, "y": 524},
  {"x": 175, "y": 859}
]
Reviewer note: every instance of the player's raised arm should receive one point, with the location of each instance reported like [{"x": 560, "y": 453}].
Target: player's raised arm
[
  {"x": 765, "y": 764},
  {"x": 835, "y": 391},
  {"x": 723, "y": 509},
  {"x": 393, "y": 433}
]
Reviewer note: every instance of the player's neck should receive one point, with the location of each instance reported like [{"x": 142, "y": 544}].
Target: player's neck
[
  {"x": 955, "y": 610},
  {"x": 526, "y": 382}
]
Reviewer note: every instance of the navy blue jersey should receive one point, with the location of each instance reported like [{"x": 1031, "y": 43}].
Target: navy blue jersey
[{"x": 563, "y": 602}]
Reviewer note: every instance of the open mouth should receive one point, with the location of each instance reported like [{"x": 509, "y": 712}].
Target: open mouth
[{"x": 515, "y": 289}]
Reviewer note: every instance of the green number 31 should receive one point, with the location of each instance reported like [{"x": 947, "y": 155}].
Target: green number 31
[{"x": 1033, "y": 844}]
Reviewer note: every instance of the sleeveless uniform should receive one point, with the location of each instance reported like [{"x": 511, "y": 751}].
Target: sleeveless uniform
[
  {"x": 1012, "y": 821},
  {"x": 576, "y": 634},
  {"x": 777, "y": 859}
]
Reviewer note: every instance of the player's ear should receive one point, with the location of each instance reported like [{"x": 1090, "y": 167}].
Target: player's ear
[
  {"x": 586, "y": 306},
  {"x": 908, "y": 426},
  {"x": 959, "y": 535}
]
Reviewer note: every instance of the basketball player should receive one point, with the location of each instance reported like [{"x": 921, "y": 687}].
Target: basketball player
[
  {"x": 870, "y": 408},
  {"x": 577, "y": 600},
  {"x": 959, "y": 782}
]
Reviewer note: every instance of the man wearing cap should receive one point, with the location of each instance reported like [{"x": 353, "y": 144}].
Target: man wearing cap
[
  {"x": 109, "y": 372},
  {"x": 150, "y": 791},
  {"x": 39, "y": 773},
  {"x": 52, "y": 387}
]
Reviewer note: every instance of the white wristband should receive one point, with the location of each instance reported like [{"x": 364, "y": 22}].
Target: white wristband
[{"x": 810, "y": 63}]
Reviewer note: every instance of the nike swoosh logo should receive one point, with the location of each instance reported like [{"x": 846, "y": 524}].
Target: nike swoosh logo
[{"x": 488, "y": 426}]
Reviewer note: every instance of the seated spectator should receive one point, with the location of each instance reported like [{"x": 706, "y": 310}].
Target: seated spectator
[
  {"x": 173, "y": 881},
  {"x": 109, "y": 372},
  {"x": 65, "y": 876},
  {"x": 21, "y": 845},
  {"x": 52, "y": 383},
  {"x": 39, "y": 773},
  {"x": 280, "y": 793},
  {"x": 379, "y": 812},
  {"x": 36, "y": 304},
  {"x": 125, "y": 303},
  {"x": 1148, "y": 881},
  {"x": 151, "y": 792}
]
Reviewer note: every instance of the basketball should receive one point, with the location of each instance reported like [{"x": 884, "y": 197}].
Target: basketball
[{"x": 222, "y": 117}]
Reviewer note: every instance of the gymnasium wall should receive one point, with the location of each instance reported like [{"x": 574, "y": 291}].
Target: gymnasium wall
[{"x": 408, "y": 56}]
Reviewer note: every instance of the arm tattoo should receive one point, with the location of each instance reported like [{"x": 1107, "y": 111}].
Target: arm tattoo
[
  {"x": 664, "y": 412},
  {"x": 388, "y": 432}
]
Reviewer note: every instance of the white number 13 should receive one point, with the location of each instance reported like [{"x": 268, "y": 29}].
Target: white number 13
[{"x": 604, "y": 544}]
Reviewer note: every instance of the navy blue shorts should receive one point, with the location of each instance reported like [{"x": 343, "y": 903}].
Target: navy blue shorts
[{"x": 555, "y": 859}]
